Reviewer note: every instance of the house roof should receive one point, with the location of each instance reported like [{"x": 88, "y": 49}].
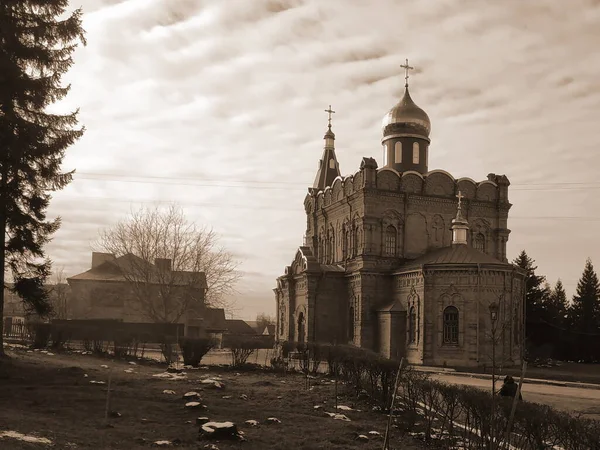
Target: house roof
[
  {"x": 255, "y": 325},
  {"x": 455, "y": 254},
  {"x": 235, "y": 326},
  {"x": 113, "y": 270},
  {"x": 271, "y": 330},
  {"x": 214, "y": 319}
]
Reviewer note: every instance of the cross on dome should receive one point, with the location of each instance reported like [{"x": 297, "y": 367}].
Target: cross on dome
[
  {"x": 460, "y": 197},
  {"x": 330, "y": 112},
  {"x": 406, "y": 68}
]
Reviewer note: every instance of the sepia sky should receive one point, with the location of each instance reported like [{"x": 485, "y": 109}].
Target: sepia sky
[{"x": 219, "y": 106}]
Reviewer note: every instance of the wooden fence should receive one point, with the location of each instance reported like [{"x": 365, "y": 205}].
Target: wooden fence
[{"x": 16, "y": 330}]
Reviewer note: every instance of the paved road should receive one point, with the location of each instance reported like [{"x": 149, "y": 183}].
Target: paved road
[{"x": 572, "y": 399}]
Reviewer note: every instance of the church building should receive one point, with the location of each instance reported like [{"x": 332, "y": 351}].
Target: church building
[{"x": 403, "y": 260}]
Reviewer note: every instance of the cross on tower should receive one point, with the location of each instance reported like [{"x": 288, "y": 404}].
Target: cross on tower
[
  {"x": 460, "y": 197},
  {"x": 406, "y": 68},
  {"x": 330, "y": 112}
]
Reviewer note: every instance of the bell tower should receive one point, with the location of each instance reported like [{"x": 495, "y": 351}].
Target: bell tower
[{"x": 329, "y": 168}]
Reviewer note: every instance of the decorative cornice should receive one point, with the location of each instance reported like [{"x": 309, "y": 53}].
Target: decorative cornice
[{"x": 400, "y": 135}]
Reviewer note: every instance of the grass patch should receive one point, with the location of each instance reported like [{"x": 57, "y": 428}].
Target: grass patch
[{"x": 50, "y": 397}]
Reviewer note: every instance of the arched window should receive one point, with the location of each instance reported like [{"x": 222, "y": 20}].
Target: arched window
[
  {"x": 398, "y": 152},
  {"x": 390, "y": 241},
  {"x": 281, "y": 321},
  {"x": 450, "y": 325},
  {"x": 355, "y": 240},
  {"x": 321, "y": 249},
  {"x": 351, "y": 324},
  {"x": 479, "y": 242},
  {"x": 301, "y": 327},
  {"x": 348, "y": 243},
  {"x": 415, "y": 153},
  {"x": 412, "y": 325},
  {"x": 385, "y": 161}
]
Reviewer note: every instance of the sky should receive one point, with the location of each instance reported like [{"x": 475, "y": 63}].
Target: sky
[{"x": 218, "y": 106}]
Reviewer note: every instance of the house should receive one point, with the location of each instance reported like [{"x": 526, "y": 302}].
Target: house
[
  {"x": 239, "y": 327},
  {"x": 131, "y": 289},
  {"x": 15, "y": 308},
  {"x": 213, "y": 323},
  {"x": 262, "y": 328},
  {"x": 13, "y": 304}
]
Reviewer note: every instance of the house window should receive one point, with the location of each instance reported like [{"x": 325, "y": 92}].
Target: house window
[
  {"x": 412, "y": 326},
  {"x": 351, "y": 324},
  {"x": 385, "y": 155},
  {"x": 450, "y": 325},
  {"x": 415, "y": 153},
  {"x": 398, "y": 152},
  {"x": 479, "y": 242},
  {"x": 390, "y": 241}
]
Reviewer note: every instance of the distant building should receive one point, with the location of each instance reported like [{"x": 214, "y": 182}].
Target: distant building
[
  {"x": 58, "y": 295},
  {"x": 239, "y": 328},
  {"x": 106, "y": 291},
  {"x": 13, "y": 305},
  {"x": 403, "y": 260},
  {"x": 261, "y": 328}
]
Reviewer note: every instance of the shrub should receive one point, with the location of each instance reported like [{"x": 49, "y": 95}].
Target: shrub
[
  {"x": 194, "y": 349},
  {"x": 241, "y": 349},
  {"x": 40, "y": 333},
  {"x": 278, "y": 364},
  {"x": 60, "y": 335},
  {"x": 453, "y": 412}
]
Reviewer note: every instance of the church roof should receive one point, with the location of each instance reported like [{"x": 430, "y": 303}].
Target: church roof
[
  {"x": 407, "y": 113},
  {"x": 455, "y": 254}
]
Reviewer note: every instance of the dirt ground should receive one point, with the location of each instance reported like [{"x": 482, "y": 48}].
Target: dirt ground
[{"x": 51, "y": 396}]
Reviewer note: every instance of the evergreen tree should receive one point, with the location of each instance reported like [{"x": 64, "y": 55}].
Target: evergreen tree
[
  {"x": 536, "y": 289},
  {"x": 557, "y": 305},
  {"x": 35, "y": 51},
  {"x": 584, "y": 313}
]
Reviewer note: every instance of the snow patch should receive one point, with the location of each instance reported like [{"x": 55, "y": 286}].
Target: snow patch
[{"x": 24, "y": 437}]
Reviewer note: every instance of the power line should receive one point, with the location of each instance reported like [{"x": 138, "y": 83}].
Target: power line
[
  {"x": 273, "y": 208},
  {"x": 264, "y": 184}
]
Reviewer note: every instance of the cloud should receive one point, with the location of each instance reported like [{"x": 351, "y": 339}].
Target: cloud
[{"x": 218, "y": 105}]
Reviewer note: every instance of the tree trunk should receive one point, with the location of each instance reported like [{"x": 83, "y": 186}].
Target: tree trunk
[{"x": 2, "y": 265}]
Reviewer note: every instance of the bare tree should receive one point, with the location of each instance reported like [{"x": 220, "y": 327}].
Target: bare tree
[
  {"x": 168, "y": 261},
  {"x": 264, "y": 319},
  {"x": 59, "y": 295}
]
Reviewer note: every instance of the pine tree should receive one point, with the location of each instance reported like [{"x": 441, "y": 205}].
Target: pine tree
[
  {"x": 557, "y": 305},
  {"x": 584, "y": 313},
  {"x": 536, "y": 290},
  {"x": 35, "y": 51}
]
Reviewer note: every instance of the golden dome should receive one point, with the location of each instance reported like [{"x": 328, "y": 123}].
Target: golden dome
[{"x": 407, "y": 113}]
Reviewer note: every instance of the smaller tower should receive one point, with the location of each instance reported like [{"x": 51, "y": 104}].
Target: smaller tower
[
  {"x": 406, "y": 129},
  {"x": 460, "y": 226},
  {"x": 329, "y": 168}
]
